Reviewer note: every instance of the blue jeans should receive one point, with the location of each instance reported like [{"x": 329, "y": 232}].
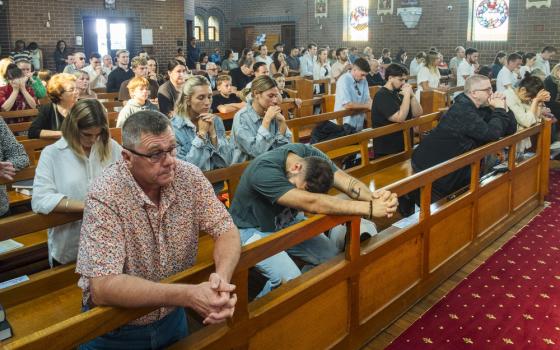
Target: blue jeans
[
  {"x": 157, "y": 335},
  {"x": 281, "y": 268}
]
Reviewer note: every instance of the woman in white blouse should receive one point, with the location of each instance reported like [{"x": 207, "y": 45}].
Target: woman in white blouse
[
  {"x": 527, "y": 104},
  {"x": 322, "y": 70},
  {"x": 428, "y": 75},
  {"x": 67, "y": 168},
  {"x": 529, "y": 60}
]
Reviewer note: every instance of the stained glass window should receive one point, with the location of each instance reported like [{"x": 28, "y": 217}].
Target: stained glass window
[
  {"x": 489, "y": 20},
  {"x": 356, "y": 20}
]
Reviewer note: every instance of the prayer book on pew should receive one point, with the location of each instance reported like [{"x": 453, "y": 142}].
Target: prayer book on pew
[
  {"x": 24, "y": 187},
  {"x": 5, "y": 330}
]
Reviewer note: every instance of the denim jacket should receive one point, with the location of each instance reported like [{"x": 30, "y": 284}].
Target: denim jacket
[
  {"x": 201, "y": 153},
  {"x": 251, "y": 138}
]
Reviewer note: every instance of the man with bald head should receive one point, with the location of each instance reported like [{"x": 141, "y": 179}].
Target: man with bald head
[{"x": 477, "y": 117}]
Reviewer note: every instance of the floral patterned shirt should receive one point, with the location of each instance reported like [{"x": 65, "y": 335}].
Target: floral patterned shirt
[{"x": 124, "y": 232}]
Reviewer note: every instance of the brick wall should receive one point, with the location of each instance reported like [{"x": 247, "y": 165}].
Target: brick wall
[
  {"x": 530, "y": 30},
  {"x": 28, "y": 18}
]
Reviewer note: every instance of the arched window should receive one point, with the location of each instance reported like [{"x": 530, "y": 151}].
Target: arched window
[
  {"x": 213, "y": 28},
  {"x": 199, "y": 28},
  {"x": 488, "y": 20}
]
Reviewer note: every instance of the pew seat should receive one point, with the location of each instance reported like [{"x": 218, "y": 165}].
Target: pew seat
[
  {"x": 15, "y": 198},
  {"x": 56, "y": 294}
]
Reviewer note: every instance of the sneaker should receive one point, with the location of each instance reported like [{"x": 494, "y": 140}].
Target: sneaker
[{"x": 555, "y": 145}]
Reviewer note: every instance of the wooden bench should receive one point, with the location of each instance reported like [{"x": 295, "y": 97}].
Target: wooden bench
[
  {"x": 341, "y": 303},
  {"x": 19, "y": 121},
  {"x": 109, "y": 96},
  {"x": 113, "y": 106}
]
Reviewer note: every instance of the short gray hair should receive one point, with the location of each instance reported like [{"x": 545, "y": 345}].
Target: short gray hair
[
  {"x": 473, "y": 82},
  {"x": 143, "y": 122}
]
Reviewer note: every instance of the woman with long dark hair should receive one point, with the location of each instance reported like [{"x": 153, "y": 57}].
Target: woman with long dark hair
[{"x": 61, "y": 56}]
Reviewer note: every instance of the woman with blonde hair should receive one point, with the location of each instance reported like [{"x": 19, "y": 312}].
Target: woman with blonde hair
[
  {"x": 67, "y": 168},
  {"x": 82, "y": 84},
  {"x": 260, "y": 126},
  {"x": 62, "y": 91},
  {"x": 4, "y": 63},
  {"x": 429, "y": 76},
  {"x": 201, "y": 136}
]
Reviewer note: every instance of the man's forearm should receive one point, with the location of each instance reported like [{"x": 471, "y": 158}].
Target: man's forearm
[
  {"x": 131, "y": 291},
  {"x": 227, "y": 249}
]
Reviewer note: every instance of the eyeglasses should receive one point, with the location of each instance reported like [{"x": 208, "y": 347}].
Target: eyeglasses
[
  {"x": 212, "y": 69},
  {"x": 71, "y": 90},
  {"x": 157, "y": 156},
  {"x": 488, "y": 89}
]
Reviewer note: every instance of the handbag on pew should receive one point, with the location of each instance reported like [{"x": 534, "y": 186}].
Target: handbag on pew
[{"x": 329, "y": 130}]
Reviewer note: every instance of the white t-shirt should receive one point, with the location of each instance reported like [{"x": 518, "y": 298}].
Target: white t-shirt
[
  {"x": 425, "y": 75},
  {"x": 267, "y": 60},
  {"x": 505, "y": 77},
  {"x": 464, "y": 69},
  {"x": 524, "y": 70}
]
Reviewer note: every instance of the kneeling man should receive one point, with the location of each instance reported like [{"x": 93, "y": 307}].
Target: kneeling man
[
  {"x": 281, "y": 184},
  {"x": 141, "y": 223}
]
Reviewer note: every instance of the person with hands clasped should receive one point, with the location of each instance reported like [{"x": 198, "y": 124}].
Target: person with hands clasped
[
  {"x": 477, "y": 117},
  {"x": 527, "y": 104},
  {"x": 201, "y": 136},
  {"x": 16, "y": 95},
  {"x": 395, "y": 102},
  {"x": 260, "y": 126},
  {"x": 280, "y": 185},
  {"x": 131, "y": 242}
]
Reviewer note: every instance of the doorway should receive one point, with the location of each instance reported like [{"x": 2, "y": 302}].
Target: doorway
[
  {"x": 106, "y": 35},
  {"x": 288, "y": 37}
]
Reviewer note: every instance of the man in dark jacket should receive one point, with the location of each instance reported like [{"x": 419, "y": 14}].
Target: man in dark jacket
[
  {"x": 477, "y": 117},
  {"x": 193, "y": 54}
]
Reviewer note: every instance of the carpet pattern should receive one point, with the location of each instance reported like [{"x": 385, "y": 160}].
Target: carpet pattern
[{"x": 512, "y": 301}]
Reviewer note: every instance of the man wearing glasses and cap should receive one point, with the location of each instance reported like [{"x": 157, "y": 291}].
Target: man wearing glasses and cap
[
  {"x": 141, "y": 225},
  {"x": 79, "y": 63}
]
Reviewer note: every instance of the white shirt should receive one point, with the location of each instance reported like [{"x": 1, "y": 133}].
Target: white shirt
[
  {"x": 464, "y": 69},
  {"x": 524, "y": 70},
  {"x": 542, "y": 64},
  {"x": 319, "y": 73},
  {"x": 505, "y": 78},
  {"x": 425, "y": 75},
  {"x": 61, "y": 173},
  {"x": 523, "y": 115},
  {"x": 101, "y": 79},
  {"x": 266, "y": 60},
  {"x": 455, "y": 62},
  {"x": 414, "y": 67}
]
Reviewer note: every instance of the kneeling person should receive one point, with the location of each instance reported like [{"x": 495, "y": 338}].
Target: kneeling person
[
  {"x": 141, "y": 223},
  {"x": 279, "y": 185}
]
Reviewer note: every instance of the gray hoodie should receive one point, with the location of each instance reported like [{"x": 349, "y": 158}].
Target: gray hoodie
[{"x": 132, "y": 107}]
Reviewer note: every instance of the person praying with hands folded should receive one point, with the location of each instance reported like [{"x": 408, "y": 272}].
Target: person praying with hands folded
[
  {"x": 16, "y": 95},
  {"x": 201, "y": 136},
  {"x": 260, "y": 126}
]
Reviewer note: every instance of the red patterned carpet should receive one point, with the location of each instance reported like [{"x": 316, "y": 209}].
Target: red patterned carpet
[{"x": 512, "y": 301}]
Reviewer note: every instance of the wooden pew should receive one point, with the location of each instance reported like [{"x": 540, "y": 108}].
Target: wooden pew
[
  {"x": 109, "y": 96},
  {"x": 113, "y": 106},
  {"x": 19, "y": 121},
  {"x": 342, "y": 303}
]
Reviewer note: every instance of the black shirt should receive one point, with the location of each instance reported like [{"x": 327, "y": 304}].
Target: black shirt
[
  {"x": 463, "y": 128},
  {"x": 47, "y": 119},
  {"x": 167, "y": 96},
  {"x": 219, "y": 100},
  {"x": 116, "y": 77},
  {"x": 375, "y": 80},
  {"x": 385, "y": 104},
  {"x": 238, "y": 79}
]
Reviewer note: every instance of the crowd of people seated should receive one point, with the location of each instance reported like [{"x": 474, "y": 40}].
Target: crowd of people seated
[{"x": 133, "y": 197}]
